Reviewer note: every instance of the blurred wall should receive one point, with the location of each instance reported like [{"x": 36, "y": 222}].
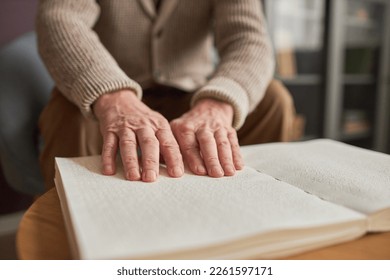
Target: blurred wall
[
  {"x": 388, "y": 104},
  {"x": 16, "y": 18}
]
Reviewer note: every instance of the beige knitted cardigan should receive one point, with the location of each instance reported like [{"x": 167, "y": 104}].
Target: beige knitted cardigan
[{"x": 95, "y": 47}]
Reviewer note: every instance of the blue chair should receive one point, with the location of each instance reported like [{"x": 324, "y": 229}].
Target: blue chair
[{"x": 25, "y": 87}]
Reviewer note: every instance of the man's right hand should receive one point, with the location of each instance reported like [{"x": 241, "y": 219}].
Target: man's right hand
[{"x": 126, "y": 123}]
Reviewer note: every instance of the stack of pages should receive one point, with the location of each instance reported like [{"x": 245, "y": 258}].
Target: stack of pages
[{"x": 290, "y": 198}]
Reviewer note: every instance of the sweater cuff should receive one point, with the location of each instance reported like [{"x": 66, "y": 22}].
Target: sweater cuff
[
  {"x": 229, "y": 91},
  {"x": 93, "y": 84}
]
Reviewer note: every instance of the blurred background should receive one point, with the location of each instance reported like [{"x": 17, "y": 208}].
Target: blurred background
[
  {"x": 16, "y": 19},
  {"x": 333, "y": 56}
]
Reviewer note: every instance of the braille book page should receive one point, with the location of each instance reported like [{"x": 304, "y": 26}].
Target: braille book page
[
  {"x": 217, "y": 218},
  {"x": 346, "y": 175}
]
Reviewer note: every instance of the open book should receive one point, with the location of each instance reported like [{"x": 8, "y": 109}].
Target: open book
[{"x": 290, "y": 198}]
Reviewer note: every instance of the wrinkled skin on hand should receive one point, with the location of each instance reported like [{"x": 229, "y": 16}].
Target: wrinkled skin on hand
[
  {"x": 207, "y": 140},
  {"x": 204, "y": 136}
]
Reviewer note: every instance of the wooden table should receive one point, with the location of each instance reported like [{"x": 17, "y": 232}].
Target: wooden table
[{"x": 42, "y": 235}]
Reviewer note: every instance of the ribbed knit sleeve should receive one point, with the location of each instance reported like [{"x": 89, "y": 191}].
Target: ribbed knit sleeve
[
  {"x": 246, "y": 58},
  {"x": 82, "y": 68}
]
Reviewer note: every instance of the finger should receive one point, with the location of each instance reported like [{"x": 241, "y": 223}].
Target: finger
[
  {"x": 189, "y": 147},
  {"x": 150, "y": 154},
  {"x": 224, "y": 152},
  {"x": 209, "y": 151},
  {"x": 110, "y": 147},
  {"x": 128, "y": 151},
  {"x": 170, "y": 152},
  {"x": 236, "y": 152}
]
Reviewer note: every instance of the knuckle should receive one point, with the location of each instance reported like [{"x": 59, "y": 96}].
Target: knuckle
[
  {"x": 183, "y": 127},
  {"x": 107, "y": 158},
  {"x": 211, "y": 159},
  {"x": 174, "y": 123},
  {"x": 170, "y": 150},
  {"x": 130, "y": 161},
  {"x": 204, "y": 136},
  {"x": 109, "y": 127},
  {"x": 190, "y": 149},
  {"x": 223, "y": 144},
  {"x": 235, "y": 146},
  {"x": 125, "y": 133},
  {"x": 225, "y": 159},
  {"x": 163, "y": 123},
  {"x": 108, "y": 148},
  {"x": 178, "y": 158},
  {"x": 149, "y": 141},
  {"x": 150, "y": 161},
  {"x": 232, "y": 134},
  {"x": 165, "y": 137},
  {"x": 174, "y": 158},
  {"x": 169, "y": 145},
  {"x": 127, "y": 142}
]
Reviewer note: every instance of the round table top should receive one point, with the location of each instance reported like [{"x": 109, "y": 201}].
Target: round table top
[{"x": 42, "y": 236}]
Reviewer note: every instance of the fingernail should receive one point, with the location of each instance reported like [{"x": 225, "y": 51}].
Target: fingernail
[
  {"x": 107, "y": 169},
  {"x": 133, "y": 175},
  {"x": 150, "y": 176},
  {"x": 239, "y": 165},
  {"x": 177, "y": 171},
  {"x": 229, "y": 170},
  {"x": 200, "y": 169},
  {"x": 216, "y": 172}
]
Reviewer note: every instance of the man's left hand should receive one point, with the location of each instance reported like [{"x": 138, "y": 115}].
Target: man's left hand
[{"x": 207, "y": 140}]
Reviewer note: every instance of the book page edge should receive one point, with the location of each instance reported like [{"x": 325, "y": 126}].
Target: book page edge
[{"x": 74, "y": 246}]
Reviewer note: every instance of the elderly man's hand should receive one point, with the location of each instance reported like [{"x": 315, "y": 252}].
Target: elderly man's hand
[
  {"x": 205, "y": 135},
  {"x": 207, "y": 139},
  {"x": 127, "y": 123}
]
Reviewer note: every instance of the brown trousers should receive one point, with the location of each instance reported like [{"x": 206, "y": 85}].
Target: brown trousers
[{"x": 67, "y": 133}]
